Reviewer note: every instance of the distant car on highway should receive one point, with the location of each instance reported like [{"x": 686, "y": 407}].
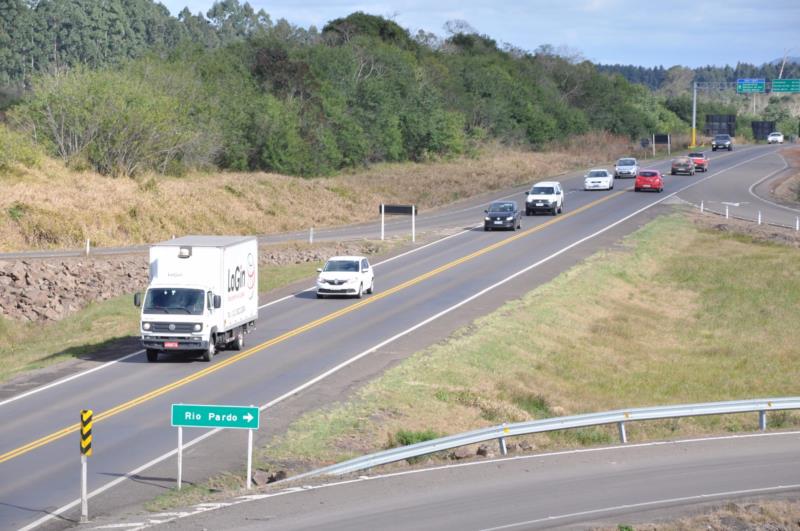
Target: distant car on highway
[
  {"x": 345, "y": 275},
  {"x": 650, "y": 180},
  {"x": 626, "y": 167},
  {"x": 775, "y": 138},
  {"x": 700, "y": 160},
  {"x": 598, "y": 179},
  {"x": 682, "y": 165},
  {"x": 502, "y": 215},
  {"x": 722, "y": 142},
  {"x": 545, "y": 196}
]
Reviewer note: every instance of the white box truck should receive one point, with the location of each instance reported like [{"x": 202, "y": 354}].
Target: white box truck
[{"x": 202, "y": 296}]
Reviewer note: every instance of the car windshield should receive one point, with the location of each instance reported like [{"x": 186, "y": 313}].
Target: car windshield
[
  {"x": 626, "y": 162},
  {"x": 174, "y": 300},
  {"x": 722, "y": 137},
  {"x": 342, "y": 265},
  {"x": 647, "y": 174},
  {"x": 597, "y": 174},
  {"x": 696, "y": 155},
  {"x": 501, "y": 207},
  {"x": 543, "y": 190}
]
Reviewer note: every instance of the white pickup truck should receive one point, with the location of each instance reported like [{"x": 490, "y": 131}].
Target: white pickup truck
[{"x": 203, "y": 295}]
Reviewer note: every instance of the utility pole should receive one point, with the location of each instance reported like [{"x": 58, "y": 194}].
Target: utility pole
[
  {"x": 694, "y": 114},
  {"x": 783, "y": 64}
]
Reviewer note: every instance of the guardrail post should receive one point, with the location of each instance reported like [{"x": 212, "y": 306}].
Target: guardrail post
[
  {"x": 762, "y": 420},
  {"x": 623, "y": 437},
  {"x": 503, "y": 447}
]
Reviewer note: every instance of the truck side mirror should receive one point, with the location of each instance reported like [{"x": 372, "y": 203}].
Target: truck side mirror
[
  {"x": 217, "y": 302},
  {"x": 137, "y": 299}
]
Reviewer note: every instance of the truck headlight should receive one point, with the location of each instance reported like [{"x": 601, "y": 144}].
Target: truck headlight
[
  {"x": 198, "y": 327},
  {"x": 145, "y": 326}
]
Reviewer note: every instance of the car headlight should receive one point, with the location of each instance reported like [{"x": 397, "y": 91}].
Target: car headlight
[
  {"x": 487, "y": 218},
  {"x": 198, "y": 327},
  {"x": 510, "y": 218},
  {"x": 145, "y": 326}
]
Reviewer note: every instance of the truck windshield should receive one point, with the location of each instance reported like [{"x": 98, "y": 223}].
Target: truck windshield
[{"x": 174, "y": 300}]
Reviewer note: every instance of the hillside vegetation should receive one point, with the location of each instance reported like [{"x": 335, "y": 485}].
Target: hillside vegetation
[{"x": 133, "y": 90}]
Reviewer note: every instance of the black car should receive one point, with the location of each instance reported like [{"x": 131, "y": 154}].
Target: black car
[
  {"x": 503, "y": 215},
  {"x": 722, "y": 142}
]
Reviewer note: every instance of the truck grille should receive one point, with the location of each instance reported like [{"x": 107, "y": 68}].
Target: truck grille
[{"x": 183, "y": 328}]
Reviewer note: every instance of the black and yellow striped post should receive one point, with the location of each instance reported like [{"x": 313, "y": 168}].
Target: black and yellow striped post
[
  {"x": 86, "y": 451},
  {"x": 86, "y": 432}
]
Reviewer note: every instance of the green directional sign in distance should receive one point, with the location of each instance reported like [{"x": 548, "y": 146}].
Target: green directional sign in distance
[
  {"x": 209, "y": 416},
  {"x": 786, "y": 85},
  {"x": 750, "y": 85}
]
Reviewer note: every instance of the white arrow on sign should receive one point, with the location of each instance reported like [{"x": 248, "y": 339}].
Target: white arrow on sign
[{"x": 248, "y": 417}]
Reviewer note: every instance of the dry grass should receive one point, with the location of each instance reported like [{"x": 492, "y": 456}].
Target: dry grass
[
  {"x": 755, "y": 514},
  {"x": 53, "y": 207},
  {"x": 787, "y": 190},
  {"x": 673, "y": 319}
]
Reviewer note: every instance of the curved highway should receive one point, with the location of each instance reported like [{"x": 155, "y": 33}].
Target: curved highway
[
  {"x": 305, "y": 351},
  {"x": 580, "y": 489}
]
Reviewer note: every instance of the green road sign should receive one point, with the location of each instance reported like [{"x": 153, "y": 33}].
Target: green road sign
[
  {"x": 786, "y": 85},
  {"x": 750, "y": 86},
  {"x": 208, "y": 416}
]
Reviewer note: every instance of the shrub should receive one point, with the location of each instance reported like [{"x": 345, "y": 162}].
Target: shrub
[{"x": 16, "y": 148}]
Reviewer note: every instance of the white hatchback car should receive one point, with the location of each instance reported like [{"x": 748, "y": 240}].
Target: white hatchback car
[
  {"x": 345, "y": 275},
  {"x": 775, "y": 138},
  {"x": 598, "y": 179}
]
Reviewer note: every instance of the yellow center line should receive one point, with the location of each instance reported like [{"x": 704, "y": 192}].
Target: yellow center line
[{"x": 292, "y": 333}]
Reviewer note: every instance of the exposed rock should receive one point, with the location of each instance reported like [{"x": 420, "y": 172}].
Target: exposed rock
[
  {"x": 525, "y": 446},
  {"x": 277, "y": 476},
  {"x": 461, "y": 453},
  {"x": 50, "y": 289},
  {"x": 484, "y": 451},
  {"x": 260, "y": 478}
]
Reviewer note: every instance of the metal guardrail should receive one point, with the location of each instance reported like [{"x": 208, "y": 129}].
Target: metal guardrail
[{"x": 619, "y": 417}]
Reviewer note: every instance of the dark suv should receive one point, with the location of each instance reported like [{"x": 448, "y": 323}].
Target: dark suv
[{"x": 722, "y": 142}]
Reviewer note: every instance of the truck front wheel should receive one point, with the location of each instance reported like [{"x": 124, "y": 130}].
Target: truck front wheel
[
  {"x": 152, "y": 355},
  {"x": 211, "y": 350}
]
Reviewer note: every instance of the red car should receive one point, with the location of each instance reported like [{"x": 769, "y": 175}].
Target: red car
[
  {"x": 649, "y": 180},
  {"x": 700, "y": 161}
]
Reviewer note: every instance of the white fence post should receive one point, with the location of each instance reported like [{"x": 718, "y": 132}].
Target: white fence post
[
  {"x": 413, "y": 223},
  {"x": 383, "y": 220},
  {"x": 759, "y": 217},
  {"x": 701, "y": 207},
  {"x": 311, "y": 235},
  {"x": 726, "y": 212},
  {"x": 797, "y": 223},
  {"x": 87, "y": 246}
]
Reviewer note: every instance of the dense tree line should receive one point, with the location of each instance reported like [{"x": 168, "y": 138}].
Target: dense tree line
[{"x": 133, "y": 89}]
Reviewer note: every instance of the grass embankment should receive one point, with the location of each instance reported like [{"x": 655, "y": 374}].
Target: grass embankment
[
  {"x": 50, "y": 206},
  {"x": 681, "y": 315}
]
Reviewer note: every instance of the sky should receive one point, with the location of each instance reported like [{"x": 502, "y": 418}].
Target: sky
[{"x": 639, "y": 32}]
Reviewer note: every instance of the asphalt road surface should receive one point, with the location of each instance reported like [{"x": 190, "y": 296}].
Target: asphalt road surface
[
  {"x": 566, "y": 490},
  {"x": 302, "y": 347}
]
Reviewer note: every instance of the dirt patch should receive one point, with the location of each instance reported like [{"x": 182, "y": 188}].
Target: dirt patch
[{"x": 773, "y": 515}]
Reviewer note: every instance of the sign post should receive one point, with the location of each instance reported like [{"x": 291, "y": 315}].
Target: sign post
[
  {"x": 215, "y": 416},
  {"x": 400, "y": 209},
  {"x": 86, "y": 451}
]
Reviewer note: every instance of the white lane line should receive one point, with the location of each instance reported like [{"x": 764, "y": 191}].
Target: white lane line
[
  {"x": 125, "y": 357},
  {"x": 751, "y": 190},
  {"x": 665, "y": 501},
  {"x": 157, "y": 519},
  {"x": 68, "y": 378},
  {"x": 373, "y": 349}
]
